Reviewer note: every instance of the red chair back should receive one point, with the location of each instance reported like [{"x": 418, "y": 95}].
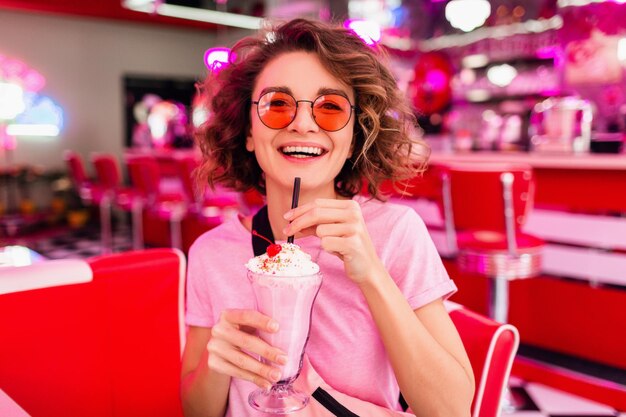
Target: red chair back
[
  {"x": 107, "y": 170},
  {"x": 75, "y": 167},
  {"x": 186, "y": 166},
  {"x": 476, "y": 192},
  {"x": 101, "y": 343},
  {"x": 145, "y": 175},
  {"x": 491, "y": 347}
]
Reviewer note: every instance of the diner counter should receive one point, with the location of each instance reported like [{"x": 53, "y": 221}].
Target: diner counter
[
  {"x": 575, "y": 304},
  {"x": 537, "y": 160}
]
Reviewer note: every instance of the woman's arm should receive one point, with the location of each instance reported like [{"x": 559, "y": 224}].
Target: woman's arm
[
  {"x": 426, "y": 353},
  {"x": 203, "y": 392},
  {"x": 425, "y": 350},
  {"x": 212, "y": 356}
]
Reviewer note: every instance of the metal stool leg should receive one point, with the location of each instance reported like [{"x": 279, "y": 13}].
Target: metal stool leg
[
  {"x": 176, "y": 238},
  {"x": 499, "y": 299},
  {"x": 137, "y": 227},
  {"x": 106, "y": 230},
  {"x": 499, "y": 311}
]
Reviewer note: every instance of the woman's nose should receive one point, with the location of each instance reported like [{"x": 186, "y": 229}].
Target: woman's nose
[{"x": 303, "y": 122}]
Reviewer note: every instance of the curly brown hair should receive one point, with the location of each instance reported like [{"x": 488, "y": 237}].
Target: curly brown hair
[{"x": 386, "y": 144}]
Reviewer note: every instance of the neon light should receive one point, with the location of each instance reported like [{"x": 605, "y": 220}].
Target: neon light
[
  {"x": 32, "y": 130},
  {"x": 467, "y": 15},
  {"x": 366, "y": 29},
  {"x": 23, "y": 111},
  {"x": 495, "y": 32},
  {"x": 501, "y": 75},
  {"x": 621, "y": 50},
  {"x": 11, "y": 100},
  {"x": 216, "y": 58},
  {"x": 191, "y": 13}
]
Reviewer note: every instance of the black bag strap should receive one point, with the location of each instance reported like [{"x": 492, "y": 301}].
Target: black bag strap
[{"x": 261, "y": 225}]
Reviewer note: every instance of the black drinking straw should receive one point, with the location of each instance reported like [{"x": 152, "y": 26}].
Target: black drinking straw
[{"x": 294, "y": 200}]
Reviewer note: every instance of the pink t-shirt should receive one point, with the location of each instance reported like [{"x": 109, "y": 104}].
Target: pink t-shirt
[{"x": 344, "y": 345}]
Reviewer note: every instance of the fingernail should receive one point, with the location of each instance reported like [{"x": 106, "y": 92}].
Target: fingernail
[
  {"x": 288, "y": 215},
  {"x": 273, "y": 325},
  {"x": 286, "y": 230},
  {"x": 275, "y": 375},
  {"x": 267, "y": 385},
  {"x": 282, "y": 359}
]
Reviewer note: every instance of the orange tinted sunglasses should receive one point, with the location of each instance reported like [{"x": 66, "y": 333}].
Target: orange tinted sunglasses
[{"x": 277, "y": 109}]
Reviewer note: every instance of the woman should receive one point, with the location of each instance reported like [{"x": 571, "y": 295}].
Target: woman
[{"x": 313, "y": 101}]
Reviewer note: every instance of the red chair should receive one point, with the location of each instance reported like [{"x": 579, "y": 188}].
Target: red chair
[
  {"x": 484, "y": 207},
  {"x": 91, "y": 193},
  {"x": 145, "y": 176},
  {"x": 97, "y": 338},
  {"x": 219, "y": 204},
  {"x": 126, "y": 198},
  {"x": 491, "y": 347},
  {"x": 85, "y": 188}
]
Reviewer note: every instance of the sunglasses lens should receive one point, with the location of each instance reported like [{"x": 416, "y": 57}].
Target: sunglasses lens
[
  {"x": 276, "y": 109},
  {"x": 331, "y": 112}
]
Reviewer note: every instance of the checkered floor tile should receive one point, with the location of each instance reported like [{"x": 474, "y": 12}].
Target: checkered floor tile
[{"x": 83, "y": 243}]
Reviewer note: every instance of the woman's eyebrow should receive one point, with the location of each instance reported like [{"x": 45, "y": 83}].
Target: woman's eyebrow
[
  {"x": 326, "y": 90},
  {"x": 279, "y": 88}
]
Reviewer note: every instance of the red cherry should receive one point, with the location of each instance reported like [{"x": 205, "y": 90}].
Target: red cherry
[{"x": 273, "y": 250}]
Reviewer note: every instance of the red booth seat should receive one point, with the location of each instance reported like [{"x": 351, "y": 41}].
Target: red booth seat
[{"x": 96, "y": 338}]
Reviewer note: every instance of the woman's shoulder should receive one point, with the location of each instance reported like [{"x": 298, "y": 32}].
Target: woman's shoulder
[
  {"x": 230, "y": 233},
  {"x": 390, "y": 219},
  {"x": 373, "y": 209}
]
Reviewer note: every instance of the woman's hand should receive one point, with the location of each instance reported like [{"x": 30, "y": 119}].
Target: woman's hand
[
  {"x": 340, "y": 226},
  {"x": 233, "y": 341}
]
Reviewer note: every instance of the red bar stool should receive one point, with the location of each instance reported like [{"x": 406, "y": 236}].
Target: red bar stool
[
  {"x": 146, "y": 177},
  {"x": 219, "y": 204},
  {"x": 126, "y": 198},
  {"x": 484, "y": 207},
  {"x": 85, "y": 188},
  {"x": 91, "y": 193}
]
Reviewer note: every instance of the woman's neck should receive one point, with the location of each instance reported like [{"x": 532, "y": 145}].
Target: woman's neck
[{"x": 279, "y": 202}]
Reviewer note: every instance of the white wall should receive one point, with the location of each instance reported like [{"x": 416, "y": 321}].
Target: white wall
[{"x": 83, "y": 61}]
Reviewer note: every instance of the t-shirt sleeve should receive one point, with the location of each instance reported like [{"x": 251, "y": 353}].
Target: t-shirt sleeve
[
  {"x": 414, "y": 262},
  {"x": 216, "y": 276},
  {"x": 198, "y": 303}
]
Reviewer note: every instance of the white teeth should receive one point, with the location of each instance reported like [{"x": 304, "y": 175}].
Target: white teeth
[{"x": 309, "y": 150}]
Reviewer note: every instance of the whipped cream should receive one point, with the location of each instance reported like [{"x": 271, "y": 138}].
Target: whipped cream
[{"x": 291, "y": 261}]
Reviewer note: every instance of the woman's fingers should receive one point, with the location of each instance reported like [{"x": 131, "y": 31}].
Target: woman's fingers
[
  {"x": 250, "y": 318},
  {"x": 249, "y": 342},
  {"x": 240, "y": 364},
  {"x": 234, "y": 345},
  {"x": 305, "y": 218}
]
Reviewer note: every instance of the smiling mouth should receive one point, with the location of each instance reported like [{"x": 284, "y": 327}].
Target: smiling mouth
[{"x": 302, "y": 151}]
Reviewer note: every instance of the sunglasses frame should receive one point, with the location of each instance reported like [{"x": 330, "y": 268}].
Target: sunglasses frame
[{"x": 311, "y": 102}]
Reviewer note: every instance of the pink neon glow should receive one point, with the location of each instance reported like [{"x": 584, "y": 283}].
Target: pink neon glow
[
  {"x": 367, "y": 30},
  {"x": 216, "y": 58},
  {"x": 547, "y": 52},
  {"x": 437, "y": 79},
  {"x": 16, "y": 71}
]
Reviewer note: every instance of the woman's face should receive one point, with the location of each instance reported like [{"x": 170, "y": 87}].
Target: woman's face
[{"x": 302, "y": 148}]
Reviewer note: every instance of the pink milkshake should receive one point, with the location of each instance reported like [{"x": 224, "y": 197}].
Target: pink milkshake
[{"x": 285, "y": 286}]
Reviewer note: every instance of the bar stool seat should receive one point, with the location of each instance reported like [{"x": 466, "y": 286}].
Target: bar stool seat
[{"x": 486, "y": 253}]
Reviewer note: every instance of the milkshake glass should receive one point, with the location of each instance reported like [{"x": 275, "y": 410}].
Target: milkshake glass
[{"x": 288, "y": 299}]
